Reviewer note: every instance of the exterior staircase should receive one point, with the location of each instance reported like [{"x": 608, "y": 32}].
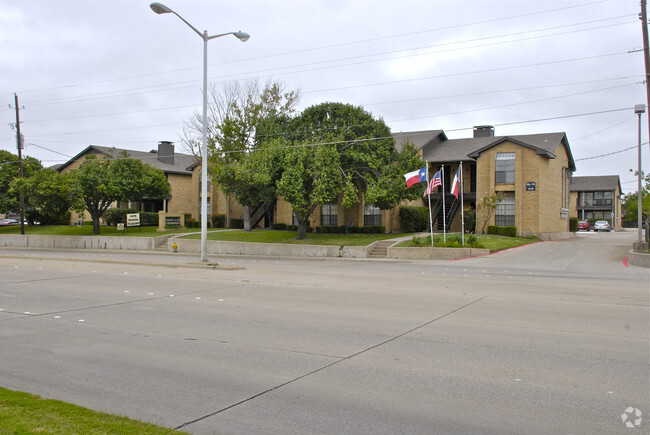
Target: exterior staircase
[{"x": 380, "y": 249}]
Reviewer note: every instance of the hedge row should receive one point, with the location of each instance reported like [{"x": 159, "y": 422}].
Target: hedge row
[
  {"x": 502, "y": 231},
  {"x": 118, "y": 216}
]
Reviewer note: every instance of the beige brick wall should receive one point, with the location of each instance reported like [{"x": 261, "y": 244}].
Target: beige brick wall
[
  {"x": 184, "y": 199},
  {"x": 535, "y": 211}
]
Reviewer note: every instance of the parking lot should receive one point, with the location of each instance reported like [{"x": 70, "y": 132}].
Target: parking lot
[{"x": 547, "y": 338}]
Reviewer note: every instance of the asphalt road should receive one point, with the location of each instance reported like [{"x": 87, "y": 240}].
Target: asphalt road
[{"x": 548, "y": 338}]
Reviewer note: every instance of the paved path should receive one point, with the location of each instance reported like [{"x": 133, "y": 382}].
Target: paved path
[{"x": 547, "y": 338}]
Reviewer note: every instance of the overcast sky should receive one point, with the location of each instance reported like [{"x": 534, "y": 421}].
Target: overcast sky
[{"x": 114, "y": 73}]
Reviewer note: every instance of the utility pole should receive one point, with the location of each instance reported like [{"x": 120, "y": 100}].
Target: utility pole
[
  {"x": 646, "y": 54},
  {"x": 19, "y": 142}
]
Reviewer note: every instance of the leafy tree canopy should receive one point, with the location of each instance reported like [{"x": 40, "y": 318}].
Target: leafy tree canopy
[
  {"x": 100, "y": 182},
  {"x": 335, "y": 149},
  {"x": 9, "y": 171}
]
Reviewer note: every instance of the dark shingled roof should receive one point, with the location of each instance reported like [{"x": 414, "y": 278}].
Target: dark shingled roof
[
  {"x": 455, "y": 150},
  {"x": 420, "y": 139},
  {"x": 598, "y": 183},
  {"x": 183, "y": 163}
]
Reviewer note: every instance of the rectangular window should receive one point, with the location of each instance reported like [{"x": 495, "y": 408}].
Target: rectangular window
[
  {"x": 504, "y": 214},
  {"x": 505, "y": 168},
  {"x": 371, "y": 215},
  {"x": 329, "y": 214}
]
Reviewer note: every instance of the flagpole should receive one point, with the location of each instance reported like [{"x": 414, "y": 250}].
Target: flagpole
[
  {"x": 444, "y": 209},
  {"x": 462, "y": 210},
  {"x": 429, "y": 198}
]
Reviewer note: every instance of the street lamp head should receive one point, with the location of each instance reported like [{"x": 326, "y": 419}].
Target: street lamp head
[
  {"x": 160, "y": 8},
  {"x": 242, "y": 36}
]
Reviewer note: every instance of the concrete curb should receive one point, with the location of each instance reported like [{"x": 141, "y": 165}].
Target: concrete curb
[{"x": 638, "y": 259}]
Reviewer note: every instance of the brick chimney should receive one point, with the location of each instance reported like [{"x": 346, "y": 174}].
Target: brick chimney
[
  {"x": 166, "y": 152},
  {"x": 483, "y": 131}
]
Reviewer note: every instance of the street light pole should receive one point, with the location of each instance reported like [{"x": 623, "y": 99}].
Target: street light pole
[
  {"x": 159, "y": 8},
  {"x": 640, "y": 109}
]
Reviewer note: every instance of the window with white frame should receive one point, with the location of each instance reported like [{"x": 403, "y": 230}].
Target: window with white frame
[
  {"x": 504, "y": 215},
  {"x": 505, "y": 168},
  {"x": 371, "y": 215},
  {"x": 329, "y": 213}
]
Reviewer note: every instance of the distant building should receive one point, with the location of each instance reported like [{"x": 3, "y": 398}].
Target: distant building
[{"x": 597, "y": 197}]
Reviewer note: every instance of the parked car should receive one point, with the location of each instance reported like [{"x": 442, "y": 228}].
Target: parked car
[
  {"x": 602, "y": 226},
  {"x": 583, "y": 226},
  {"x": 5, "y": 222}
]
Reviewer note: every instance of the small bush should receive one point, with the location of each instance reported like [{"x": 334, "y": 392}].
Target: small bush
[
  {"x": 511, "y": 231},
  {"x": 414, "y": 219},
  {"x": 218, "y": 221},
  {"x": 492, "y": 229},
  {"x": 116, "y": 216},
  {"x": 237, "y": 223},
  {"x": 573, "y": 224},
  {"x": 501, "y": 231},
  {"x": 278, "y": 226}
]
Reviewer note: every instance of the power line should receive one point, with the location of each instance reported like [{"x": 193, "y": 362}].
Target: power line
[{"x": 275, "y": 55}]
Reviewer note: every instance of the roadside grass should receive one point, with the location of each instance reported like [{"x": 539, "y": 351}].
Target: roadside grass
[
  {"x": 284, "y": 236},
  {"x": 492, "y": 242},
  {"x": 24, "y": 413}
]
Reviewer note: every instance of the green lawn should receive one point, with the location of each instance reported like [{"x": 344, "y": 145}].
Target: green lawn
[
  {"x": 492, "y": 242},
  {"x": 281, "y": 236},
  {"x": 23, "y": 413}
]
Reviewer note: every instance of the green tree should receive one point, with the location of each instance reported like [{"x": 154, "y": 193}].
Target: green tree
[
  {"x": 630, "y": 203},
  {"x": 48, "y": 196},
  {"x": 235, "y": 113},
  {"x": 98, "y": 183},
  {"x": 9, "y": 171},
  {"x": 389, "y": 190},
  {"x": 336, "y": 150},
  {"x": 486, "y": 207}
]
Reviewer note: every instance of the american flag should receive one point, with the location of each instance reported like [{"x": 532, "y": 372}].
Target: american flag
[{"x": 435, "y": 182}]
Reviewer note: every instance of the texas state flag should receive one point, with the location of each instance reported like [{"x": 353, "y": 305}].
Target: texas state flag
[
  {"x": 455, "y": 183},
  {"x": 416, "y": 177}
]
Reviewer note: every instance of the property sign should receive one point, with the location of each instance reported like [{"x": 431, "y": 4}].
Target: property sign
[
  {"x": 133, "y": 220},
  {"x": 530, "y": 186},
  {"x": 172, "y": 221}
]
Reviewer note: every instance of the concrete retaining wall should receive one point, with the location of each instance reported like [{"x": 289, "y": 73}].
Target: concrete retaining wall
[
  {"x": 79, "y": 242},
  {"x": 638, "y": 259},
  {"x": 264, "y": 249},
  {"x": 434, "y": 253}
]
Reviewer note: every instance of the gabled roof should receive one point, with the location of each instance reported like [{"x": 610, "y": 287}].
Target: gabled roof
[
  {"x": 420, "y": 139},
  {"x": 596, "y": 183},
  {"x": 456, "y": 150},
  {"x": 183, "y": 163}
]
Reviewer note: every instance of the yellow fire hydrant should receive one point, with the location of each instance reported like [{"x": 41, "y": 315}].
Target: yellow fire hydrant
[{"x": 174, "y": 247}]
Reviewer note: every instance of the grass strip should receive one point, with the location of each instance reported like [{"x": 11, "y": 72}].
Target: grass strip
[{"x": 24, "y": 413}]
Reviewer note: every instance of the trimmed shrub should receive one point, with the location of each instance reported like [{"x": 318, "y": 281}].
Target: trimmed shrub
[
  {"x": 573, "y": 224},
  {"x": 501, "y": 231},
  {"x": 511, "y": 231},
  {"x": 278, "y": 226},
  {"x": 237, "y": 224},
  {"x": 414, "y": 219},
  {"x": 219, "y": 221},
  {"x": 116, "y": 216},
  {"x": 492, "y": 229}
]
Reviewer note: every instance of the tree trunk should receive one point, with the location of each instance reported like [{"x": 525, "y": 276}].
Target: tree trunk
[
  {"x": 302, "y": 229},
  {"x": 228, "y": 210},
  {"x": 95, "y": 225},
  {"x": 247, "y": 218}
]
